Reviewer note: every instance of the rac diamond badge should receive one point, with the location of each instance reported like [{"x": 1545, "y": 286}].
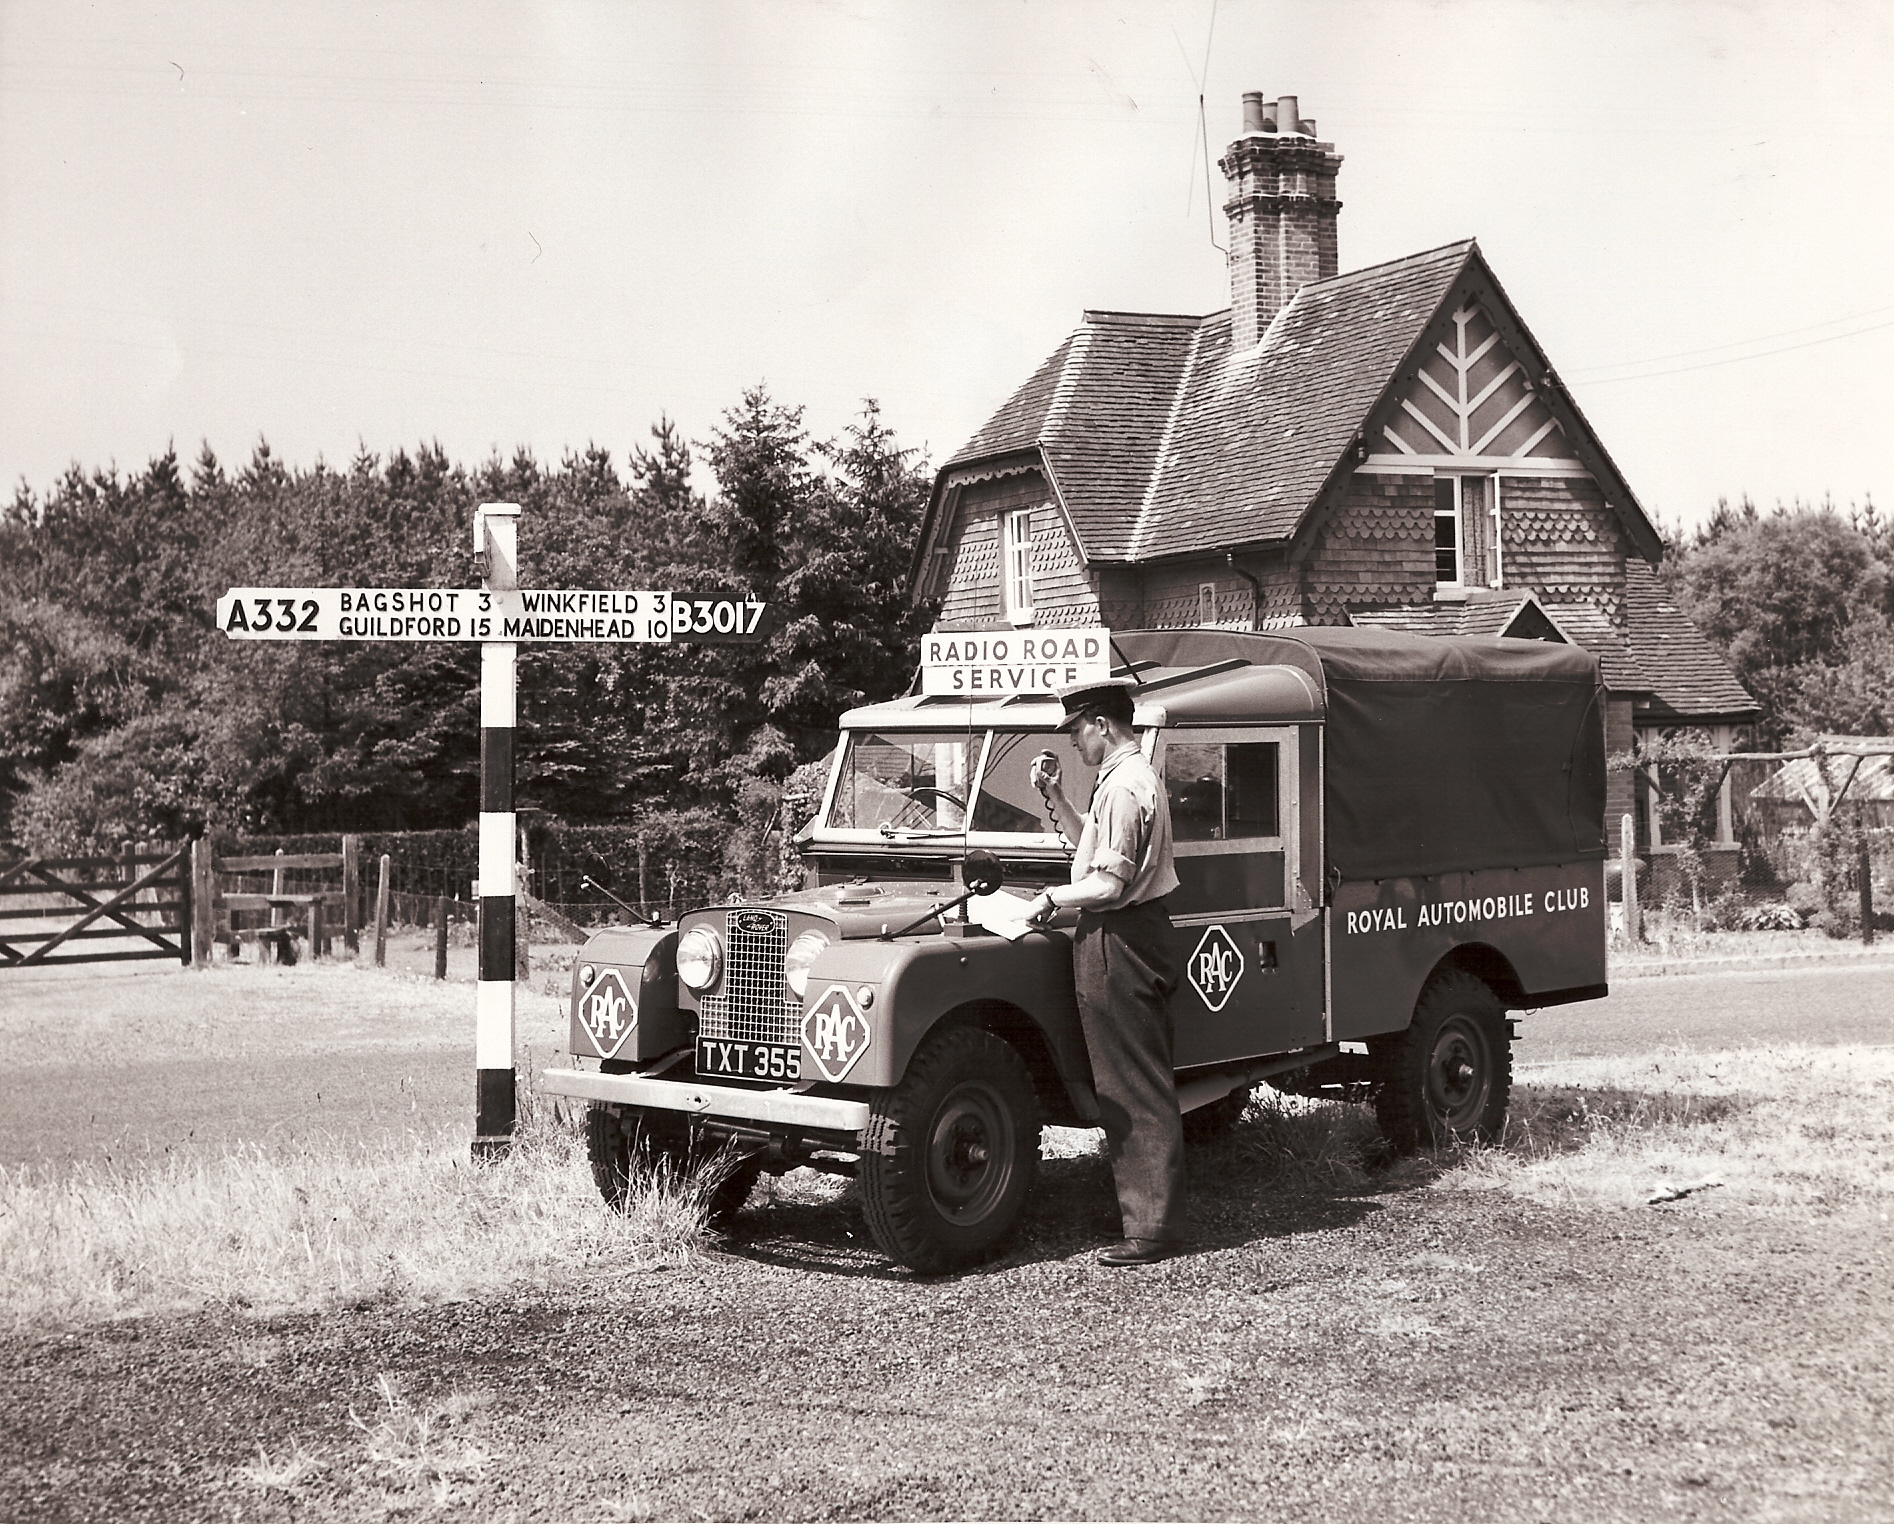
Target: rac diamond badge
[
  {"x": 836, "y": 1032},
  {"x": 608, "y": 1012},
  {"x": 1215, "y": 967}
]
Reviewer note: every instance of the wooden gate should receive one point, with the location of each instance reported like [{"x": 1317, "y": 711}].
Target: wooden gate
[{"x": 108, "y": 896}]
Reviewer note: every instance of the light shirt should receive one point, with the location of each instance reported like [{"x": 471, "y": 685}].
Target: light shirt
[{"x": 1127, "y": 830}]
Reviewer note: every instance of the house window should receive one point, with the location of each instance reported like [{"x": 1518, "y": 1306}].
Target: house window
[
  {"x": 1016, "y": 565},
  {"x": 1447, "y": 531},
  {"x": 1466, "y": 531},
  {"x": 1206, "y": 603},
  {"x": 1494, "y": 570}
]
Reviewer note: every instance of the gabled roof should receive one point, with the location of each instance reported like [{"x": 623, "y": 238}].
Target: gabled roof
[
  {"x": 1483, "y": 611},
  {"x": 1688, "y": 678},
  {"x": 1160, "y": 441}
]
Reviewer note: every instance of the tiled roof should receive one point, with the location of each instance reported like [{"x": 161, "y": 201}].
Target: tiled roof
[
  {"x": 1016, "y": 426},
  {"x": 1592, "y": 628},
  {"x": 1259, "y": 432},
  {"x": 1161, "y": 440},
  {"x": 1688, "y": 677},
  {"x": 1482, "y": 612}
]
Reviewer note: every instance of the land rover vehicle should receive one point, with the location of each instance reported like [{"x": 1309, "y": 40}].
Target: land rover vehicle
[{"x": 1385, "y": 843}]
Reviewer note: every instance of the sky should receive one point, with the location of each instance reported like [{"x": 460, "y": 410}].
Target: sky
[{"x": 349, "y": 226}]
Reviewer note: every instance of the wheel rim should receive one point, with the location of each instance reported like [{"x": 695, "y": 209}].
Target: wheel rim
[
  {"x": 1459, "y": 1074},
  {"x": 970, "y": 1153}
]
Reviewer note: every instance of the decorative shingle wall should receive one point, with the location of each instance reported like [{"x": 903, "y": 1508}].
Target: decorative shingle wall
[
  {"x": 1558, "y": 537},
  {"x": 1171, "y": 600},
  {"x": 1377, "y": 547},
  {"x": 1062, "y": 590}
]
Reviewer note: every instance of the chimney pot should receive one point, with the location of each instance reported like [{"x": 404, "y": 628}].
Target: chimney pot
[
  {"x": 1282, "y": 211},
  {"x": 1308, "y": 125}
]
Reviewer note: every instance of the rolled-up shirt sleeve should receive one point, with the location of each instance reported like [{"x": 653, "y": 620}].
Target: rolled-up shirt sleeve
[{"x": 1119, "y": 833}]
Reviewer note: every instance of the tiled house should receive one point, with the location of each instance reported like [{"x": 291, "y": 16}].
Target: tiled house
[{"x": 1389, "y": 446}]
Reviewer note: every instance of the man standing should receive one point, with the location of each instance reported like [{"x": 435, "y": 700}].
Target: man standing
[{"x": 1122, "y": 962}]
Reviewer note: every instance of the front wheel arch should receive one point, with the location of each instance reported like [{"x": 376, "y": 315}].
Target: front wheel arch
[{"x": 950, "y": 1153}]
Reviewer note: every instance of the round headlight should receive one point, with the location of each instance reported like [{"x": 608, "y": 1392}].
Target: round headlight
[
  {"x": 587, "y": 974},
  {"x": 801, "y": 956},
  {"x": 699, "y": 957}
]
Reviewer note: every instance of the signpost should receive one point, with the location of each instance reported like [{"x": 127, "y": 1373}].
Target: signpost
[{"x": 500, "y": 615}]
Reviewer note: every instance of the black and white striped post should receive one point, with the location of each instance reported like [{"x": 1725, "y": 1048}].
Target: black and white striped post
[{"x": 496, "y": 532}]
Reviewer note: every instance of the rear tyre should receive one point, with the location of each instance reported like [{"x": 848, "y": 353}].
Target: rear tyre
[
  {"x": 622, "y": 1141},
  {"x": 1448, "y": 1077},
  {"x": 951, "y": 1152}
]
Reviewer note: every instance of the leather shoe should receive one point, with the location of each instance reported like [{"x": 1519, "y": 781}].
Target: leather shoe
[{"x": 1138, "y": 1251}]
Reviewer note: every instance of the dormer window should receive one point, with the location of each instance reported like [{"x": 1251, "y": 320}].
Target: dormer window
[{"x": 1016, "y": 564}]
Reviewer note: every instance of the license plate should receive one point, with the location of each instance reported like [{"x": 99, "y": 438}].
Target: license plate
[{"x": 717, "y": 1058}]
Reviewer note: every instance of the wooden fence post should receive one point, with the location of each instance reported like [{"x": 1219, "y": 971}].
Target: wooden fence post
[
  {"x": 203, "y": 902},
  {"x": 278, "y": 915},
  {"x": 1628, "y": 877},
  {"x": 381, "y": 916},
  {"x": 315, "y": 930},
  {"x": 352, "y": 894},
  {"x": 440, "y": 939}
]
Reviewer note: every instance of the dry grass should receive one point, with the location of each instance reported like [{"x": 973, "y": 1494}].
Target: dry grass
[
  {"x": 282, "y": 1473},
  {"x": 1802, "y": 1128},
  {"x": 324, "y": 1227}
]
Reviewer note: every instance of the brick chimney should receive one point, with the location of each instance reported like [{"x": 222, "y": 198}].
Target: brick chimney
[{"x": 1282, "y": 210}]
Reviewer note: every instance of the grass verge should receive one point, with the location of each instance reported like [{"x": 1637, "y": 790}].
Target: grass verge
[
  {"x": 1804, "y": 1129},
  {"x": 316, "y": 1227},
  {"x": 1798, "y": 1128}
]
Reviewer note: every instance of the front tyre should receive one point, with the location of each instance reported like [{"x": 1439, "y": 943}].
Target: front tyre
[
  {"x": 951, "y": 1151},
  {"x": 1448, "y": 1077}
]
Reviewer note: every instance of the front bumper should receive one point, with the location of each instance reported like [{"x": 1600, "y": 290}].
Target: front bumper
[{"x": 768, "y": 1108}]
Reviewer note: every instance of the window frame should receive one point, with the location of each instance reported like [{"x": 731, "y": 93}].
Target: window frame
[
  {"x": 1452, "y": 516},
  {"x": 1288, "y": 839},
  {"x": 1016, "y": 581}
]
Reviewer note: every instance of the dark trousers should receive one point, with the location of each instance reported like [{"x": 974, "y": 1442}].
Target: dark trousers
[{"x": 1124, "y": 971}]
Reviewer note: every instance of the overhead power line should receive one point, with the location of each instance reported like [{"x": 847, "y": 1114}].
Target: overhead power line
[{"x": 1761, "y": 354}]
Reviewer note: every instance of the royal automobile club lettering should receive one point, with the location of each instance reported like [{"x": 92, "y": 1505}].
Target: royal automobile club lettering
[{"x": 1490, "y": 907}]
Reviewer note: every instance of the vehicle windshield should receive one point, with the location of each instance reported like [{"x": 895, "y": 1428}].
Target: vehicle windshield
[
  {"x": 917, "y": 783},
  {"x": 911, "y": 782},
  {"x": 1009, "y": 802}
]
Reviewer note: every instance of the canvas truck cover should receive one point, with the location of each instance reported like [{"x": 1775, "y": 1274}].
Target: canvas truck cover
[{"x": 1443, "y": 754}]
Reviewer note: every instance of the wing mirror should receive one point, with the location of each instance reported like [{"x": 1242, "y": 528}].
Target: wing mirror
[{"x": 981, "y": 872}]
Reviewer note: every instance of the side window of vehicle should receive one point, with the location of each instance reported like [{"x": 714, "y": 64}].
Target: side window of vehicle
[{"x": 1222, "y": 791}]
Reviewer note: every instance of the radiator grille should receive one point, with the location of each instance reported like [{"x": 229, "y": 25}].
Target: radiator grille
[{"x": 752, "y": 1003}]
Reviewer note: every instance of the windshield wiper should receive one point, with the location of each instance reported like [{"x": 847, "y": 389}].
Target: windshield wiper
[{"x": 913, "y": 833}]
